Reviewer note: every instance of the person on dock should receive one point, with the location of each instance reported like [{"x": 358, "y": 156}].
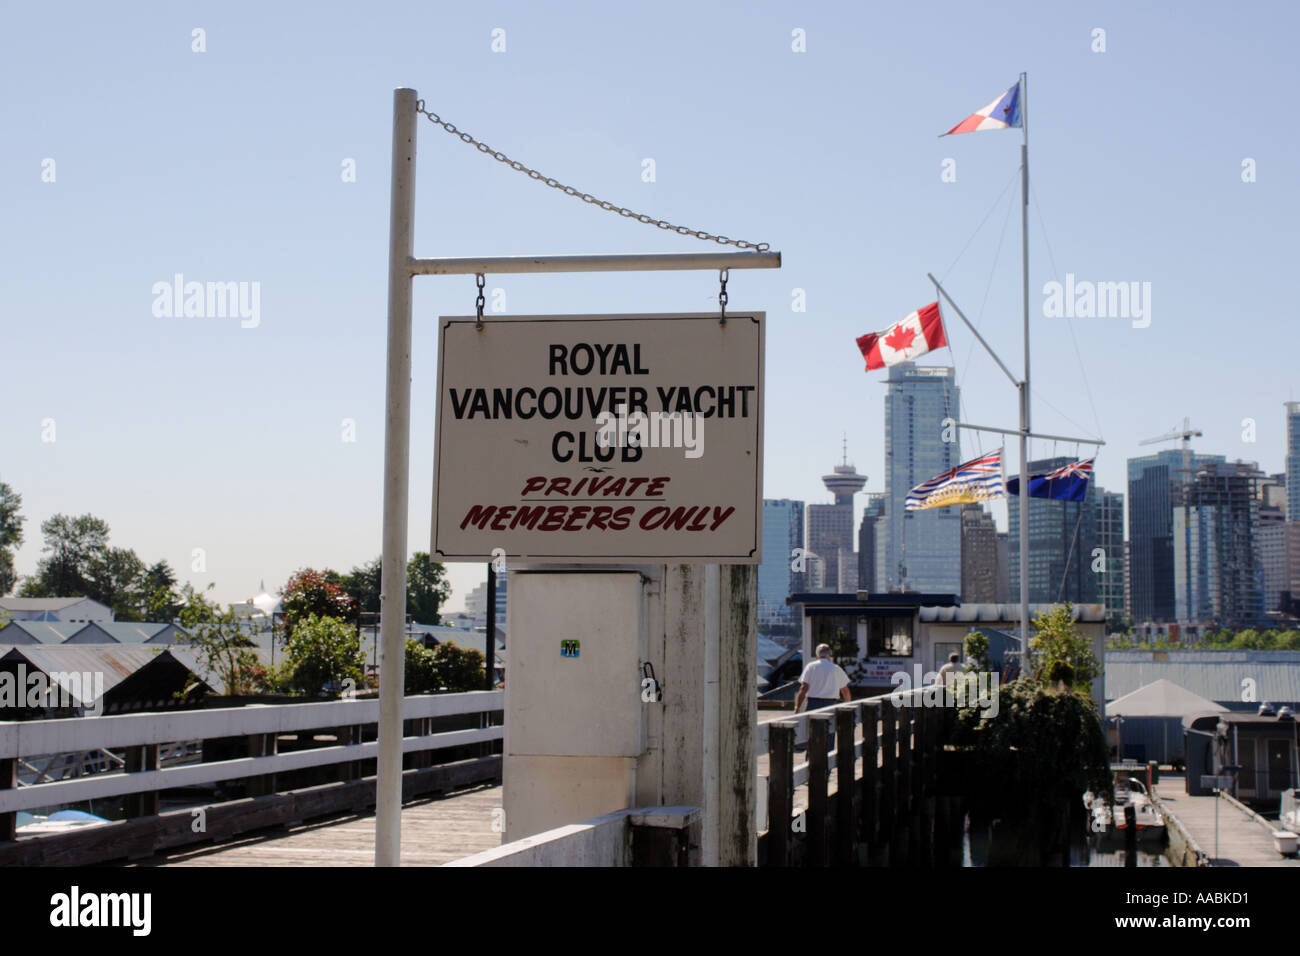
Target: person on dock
[
  {"x": 948, "y": 672},
  {"x": 822, "y": 683}
]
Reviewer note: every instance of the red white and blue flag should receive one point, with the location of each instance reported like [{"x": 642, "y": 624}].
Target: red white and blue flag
[
  {"x": 1002, "y": 113},
  {"x": 979, "y": 479},
  {"x": 1069, "y": 483},
  {"x": 916, "y": 334}
]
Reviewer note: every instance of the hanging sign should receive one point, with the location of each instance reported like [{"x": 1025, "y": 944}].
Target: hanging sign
[{"x": 601, "y": 439}]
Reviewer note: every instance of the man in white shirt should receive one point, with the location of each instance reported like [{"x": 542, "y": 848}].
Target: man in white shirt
[
  {"x": 822, "y": 683},
  {"x": 948, "y": 672}
]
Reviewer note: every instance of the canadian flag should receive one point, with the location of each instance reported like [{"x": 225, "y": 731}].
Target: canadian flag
[{"x": 920, "y": 332}]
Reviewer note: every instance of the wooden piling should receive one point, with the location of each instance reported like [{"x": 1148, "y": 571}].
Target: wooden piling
[
  {"x": 818, "y": 736},
  {"x": 846, "y": 831},
  {"x": 145, "y": 803},
  {"x": 870, "y": 774},
  {"x": 888, "y": 807},
  {"x": 780, "y": 791}
]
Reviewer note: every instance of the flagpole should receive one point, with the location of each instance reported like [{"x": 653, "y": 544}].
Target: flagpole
[{"x": 1024, "y": 385}]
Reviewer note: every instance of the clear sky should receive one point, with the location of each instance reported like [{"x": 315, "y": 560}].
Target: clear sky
[{"x": 226, "y": 165}]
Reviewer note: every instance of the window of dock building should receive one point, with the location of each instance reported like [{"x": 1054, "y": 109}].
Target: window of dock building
[
  {"x": 840, "y": 631},
  {"x": 889, "y": 636}
]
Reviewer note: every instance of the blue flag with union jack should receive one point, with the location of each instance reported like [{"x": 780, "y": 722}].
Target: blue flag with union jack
[
  {"x": 976, "y": 480},
  {"x": 1069, "y": 483}
]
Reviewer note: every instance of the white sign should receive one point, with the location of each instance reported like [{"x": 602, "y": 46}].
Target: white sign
[{"x": 600, "y": 439}]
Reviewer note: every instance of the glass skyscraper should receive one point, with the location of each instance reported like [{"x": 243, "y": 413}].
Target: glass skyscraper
[
  {"x": 1218, "y": 579},
  {"x": 1293, "y": 461},
  {"x": 1110, "y": 538},
  {"x": 1155, "y": 489},
  {"x": 777, "y": 579},
  {"x": 919, "y": 550}
]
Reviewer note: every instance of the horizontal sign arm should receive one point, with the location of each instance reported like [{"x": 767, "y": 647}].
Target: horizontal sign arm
[{"x": 649, "y": 262}]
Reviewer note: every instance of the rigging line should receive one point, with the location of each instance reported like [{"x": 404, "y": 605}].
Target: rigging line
[
  {"x": 1069, "y": 555},
  {"x": 992, "y": 208},
  {"x": 1069, "y": 324},
  {"x": 979, "y": 316},
  {"x": 1038, "y": 397}
]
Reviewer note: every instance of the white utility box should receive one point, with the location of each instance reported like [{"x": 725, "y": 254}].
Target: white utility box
[
  {"x": 575, "y": 721},
  {"x": 577, "y": 640}
]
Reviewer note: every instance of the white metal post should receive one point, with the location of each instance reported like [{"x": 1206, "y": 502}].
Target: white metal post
[
  {"x": 397, "y": 455},
  {"x": 1024, "y": 388}
]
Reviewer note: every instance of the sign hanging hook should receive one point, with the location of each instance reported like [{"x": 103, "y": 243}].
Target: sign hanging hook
[
  {"x": 479, "y": 280},
  {"x": 722, "y": 296}
]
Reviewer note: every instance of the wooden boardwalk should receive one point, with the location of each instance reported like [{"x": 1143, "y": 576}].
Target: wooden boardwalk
[
  {"x": 1243, "y": 840},
  {"x": 434, "y": 831}
]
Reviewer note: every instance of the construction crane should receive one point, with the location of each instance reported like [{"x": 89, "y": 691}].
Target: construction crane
[{"x": 1186, "y": 434}]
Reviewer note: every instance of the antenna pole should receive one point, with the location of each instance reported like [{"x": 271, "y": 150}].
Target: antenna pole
[{"x": 1024, "y": 385}]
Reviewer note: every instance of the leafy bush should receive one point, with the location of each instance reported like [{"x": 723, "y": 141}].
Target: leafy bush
[
  {"x": 323, "y": 652},
  {"x": 220, "y": 641},
  {"x": 309, "y": 592},
  {"x": 1058, "y": 639},
  {"x": 444, "y": 667},
  {"x": 977, "y": 651},
  {"x": 459, "y": 669},
  {"x": 421, "y": 668},
  {"x": 1041, "y": 749}
]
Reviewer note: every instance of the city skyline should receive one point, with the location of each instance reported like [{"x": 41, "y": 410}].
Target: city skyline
[{"x": 260, "y": 442}]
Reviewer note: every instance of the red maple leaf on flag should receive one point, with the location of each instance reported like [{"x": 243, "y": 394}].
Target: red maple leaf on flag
[{"x": 900, "y": 339}]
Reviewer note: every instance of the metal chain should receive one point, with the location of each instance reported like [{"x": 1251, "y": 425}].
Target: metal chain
[
  {"x": 480, "y": 280},
  {"x": 585, "y": 197},
  {"x": 722, "y": 296}
]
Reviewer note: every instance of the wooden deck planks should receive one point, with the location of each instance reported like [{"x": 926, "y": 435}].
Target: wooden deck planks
[
  {"x": 1243, "y": 841},
  {"x": 434, "y": 831}
]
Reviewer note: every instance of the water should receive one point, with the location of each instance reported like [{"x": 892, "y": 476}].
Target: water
[{"x": 1085, "y": 850}]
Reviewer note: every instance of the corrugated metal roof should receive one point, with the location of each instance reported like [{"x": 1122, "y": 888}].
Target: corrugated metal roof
[
  {"x": 130, "y": 632},
  {"x": 1006, "y": 613},
  {"x": 39, "y": 632},
  {"x": 1215, "y": 675},
  {"x": 116, "y": 662},
  {"x": 39, "y": 604}
]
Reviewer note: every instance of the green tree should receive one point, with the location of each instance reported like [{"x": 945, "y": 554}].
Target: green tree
[
  {"x": 976, "y": 646},
  {"x": 427, "y": 588},
  {"x": 363, "y": 584},
  {"x": 161, "y": 602},
  {"x": 310, "y": 592},
  {"x": 421, "y": 668},
  {"x": 221, "y": 642},
  {"x": 1030, "y": 763},
  {"x": 72, "y": 546},
  {"x": 11, "y": 535},
  {"x": 459, "y": 669},
  {"x": 322, "y": 653},
  {"x": 1058, "y": 639},
  {"x": 116, "y": 577}
]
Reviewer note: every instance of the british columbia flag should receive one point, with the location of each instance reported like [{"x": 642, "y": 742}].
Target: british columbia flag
[{"x": 979, "y": 479}]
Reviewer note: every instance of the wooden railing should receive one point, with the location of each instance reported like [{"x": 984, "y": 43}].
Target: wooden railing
[
  {"x": 141, "y": 738},
  {"x": 888, "y": 813}
]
